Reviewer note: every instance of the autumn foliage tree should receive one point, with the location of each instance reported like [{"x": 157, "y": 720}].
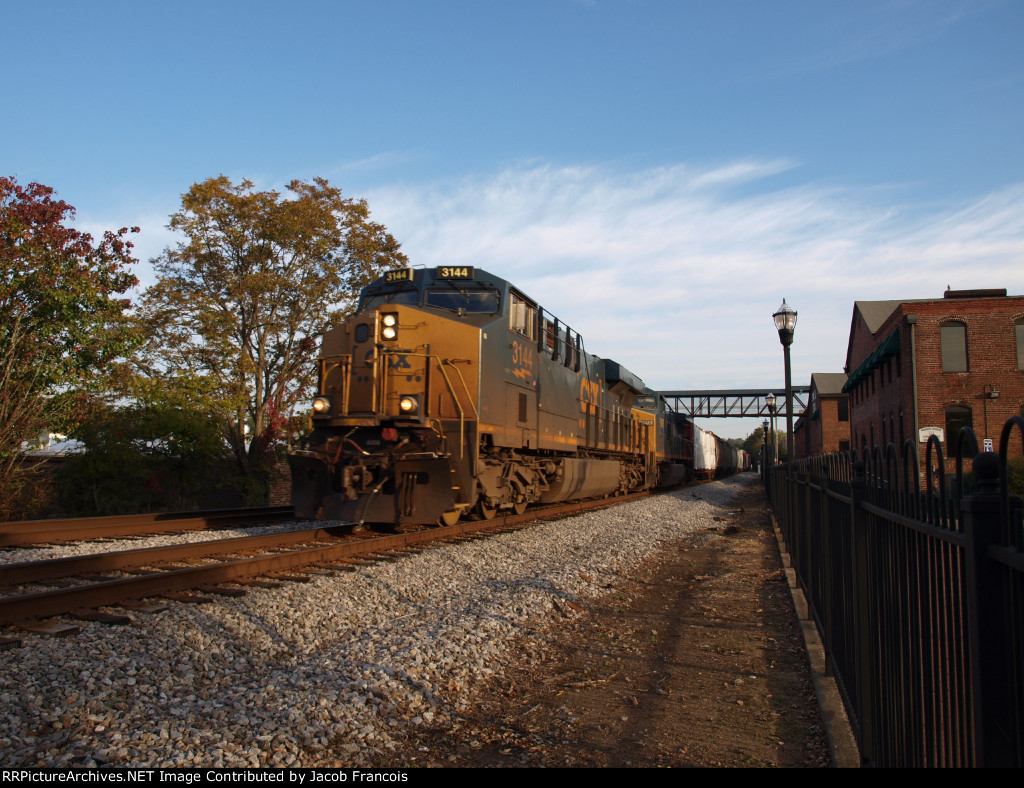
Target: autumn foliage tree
[
  {"x": 62, "y": 321},
  {"x": 243, "y": 299}
]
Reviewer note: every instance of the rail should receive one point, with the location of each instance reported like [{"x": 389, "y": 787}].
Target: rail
[
  {"x": 221, "y": 561},
  {"x": 19, "y": 533}
]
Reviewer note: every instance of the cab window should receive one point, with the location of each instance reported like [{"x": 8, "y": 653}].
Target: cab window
[
  {"x": 406, "y": 295},
  {"x": 522, "y": 317},
  {"x": 463, "y": 300}
]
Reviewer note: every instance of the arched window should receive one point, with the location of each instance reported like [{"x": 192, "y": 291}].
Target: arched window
[
  {"x": 957, "y": 417},
  {"x": 953, "y": 338}
]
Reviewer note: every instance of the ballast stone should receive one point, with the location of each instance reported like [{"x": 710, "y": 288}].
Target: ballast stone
[{"x": 390, "y": 646}]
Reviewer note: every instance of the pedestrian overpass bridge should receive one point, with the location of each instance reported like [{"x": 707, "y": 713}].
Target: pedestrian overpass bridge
[{"x": 735, "y": 403}]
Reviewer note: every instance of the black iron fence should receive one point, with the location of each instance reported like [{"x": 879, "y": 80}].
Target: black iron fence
[{"x": 916, "y": 582}]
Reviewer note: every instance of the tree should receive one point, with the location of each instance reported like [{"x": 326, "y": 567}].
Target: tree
[
  {"x": 62, "y": 324},
  {"x": 143, "y": 457},
  {"x": 752, "y": 444},
  {"x": 242, "y": 302}
]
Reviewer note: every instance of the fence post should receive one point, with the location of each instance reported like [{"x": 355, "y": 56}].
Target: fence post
[
  {"x": 828, "y": 604},
  {"x": 987, "y": 616},
  {"x": 864, "y": 702}
]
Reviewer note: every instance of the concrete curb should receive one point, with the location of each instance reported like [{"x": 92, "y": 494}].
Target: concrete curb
[{"x": 845, "y": 753}]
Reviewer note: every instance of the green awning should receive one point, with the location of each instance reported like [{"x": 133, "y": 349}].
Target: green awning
[{"x": 889, "y": 348}]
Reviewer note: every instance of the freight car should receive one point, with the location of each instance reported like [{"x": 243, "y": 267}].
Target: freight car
[{"x": 451, "y": 391}]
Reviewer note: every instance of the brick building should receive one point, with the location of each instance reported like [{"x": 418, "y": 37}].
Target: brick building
[
  {"x": 929, "y": 366},
  {"x": 825, "y": 426}
]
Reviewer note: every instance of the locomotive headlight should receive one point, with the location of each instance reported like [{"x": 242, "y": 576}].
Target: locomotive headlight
[
  {"x": 389, "y": 326},
  {"x": 409, "y": 405},
  {"x": 321, "y": 406}
]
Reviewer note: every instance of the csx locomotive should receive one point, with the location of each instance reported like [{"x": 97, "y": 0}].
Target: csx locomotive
[{"x": 451, "y": 391}]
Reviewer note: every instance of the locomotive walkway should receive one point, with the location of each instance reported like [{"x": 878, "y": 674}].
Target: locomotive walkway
[{"x": 705, "y": 658}]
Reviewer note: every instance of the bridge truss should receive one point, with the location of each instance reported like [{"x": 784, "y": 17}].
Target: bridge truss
[{"x": 735, "y": 403}]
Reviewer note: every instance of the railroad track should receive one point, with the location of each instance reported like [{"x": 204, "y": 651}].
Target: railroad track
[
  {"x": 78, "y": 586},
  {"x": 21, "y": 533}
]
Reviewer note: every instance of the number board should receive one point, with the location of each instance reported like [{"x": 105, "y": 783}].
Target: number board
[
  {"x": 456, "y": 272},
  {"x": 401, "y": 275}
]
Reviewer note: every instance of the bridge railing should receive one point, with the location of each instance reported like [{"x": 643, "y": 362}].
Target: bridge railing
[{"x": 918, "y": 591}]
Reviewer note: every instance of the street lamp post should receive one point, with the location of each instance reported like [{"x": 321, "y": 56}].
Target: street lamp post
[
  {"x": 764, "y": 443},
  {"x": 770, "y": 402},
  {"x": 785, "y": 322}
]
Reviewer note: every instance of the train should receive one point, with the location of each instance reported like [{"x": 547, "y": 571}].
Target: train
[
  {"x": 451, "y": 393},
  {"x": 684, "y": 451}
]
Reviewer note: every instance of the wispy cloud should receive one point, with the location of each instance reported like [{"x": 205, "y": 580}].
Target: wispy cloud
[
  {"x": 346, "y": 169},
  {"x": 864, "y": 32},
  {"x": 675, "y": 274}
]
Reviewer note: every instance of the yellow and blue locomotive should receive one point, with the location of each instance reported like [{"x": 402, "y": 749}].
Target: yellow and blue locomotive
[
  {"x": 673, "y": 439},
  {"x": 450, "y": 391}
]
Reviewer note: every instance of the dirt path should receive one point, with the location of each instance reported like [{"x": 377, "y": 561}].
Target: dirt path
[{"x": 697, "y": 660}]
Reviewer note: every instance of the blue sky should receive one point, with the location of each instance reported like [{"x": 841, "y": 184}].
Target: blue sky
[{"x": 658, "y": 174}]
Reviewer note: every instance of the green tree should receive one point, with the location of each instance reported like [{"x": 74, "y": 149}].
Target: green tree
[
  {"x": 62, "y": 322},
  {"x": 752, "y": 444},
  {"x": 143, "y": 458},
  {"x": 243, "y": 300}
]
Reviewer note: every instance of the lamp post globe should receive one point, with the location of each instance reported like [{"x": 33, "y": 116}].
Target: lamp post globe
[{"x": 785, "y": 322}]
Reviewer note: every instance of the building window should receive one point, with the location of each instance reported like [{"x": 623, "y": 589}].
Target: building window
[
  {"x": 957, "y": 417},
  {"x": 1019, "y": 328},
  {"x": 953, "y": 337},
  {"x": 844, "y": 409}
]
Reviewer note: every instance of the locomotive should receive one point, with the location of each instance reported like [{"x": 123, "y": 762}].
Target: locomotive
[{"x": 451, "y": 392}]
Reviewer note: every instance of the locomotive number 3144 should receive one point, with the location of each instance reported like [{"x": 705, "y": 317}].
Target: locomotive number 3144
[
  {"x": 455, "y": 272},
  {"x": 522, "y": 357}
]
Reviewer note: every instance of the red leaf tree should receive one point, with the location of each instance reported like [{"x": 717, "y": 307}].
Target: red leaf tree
[{"x": 62, "y": 321}]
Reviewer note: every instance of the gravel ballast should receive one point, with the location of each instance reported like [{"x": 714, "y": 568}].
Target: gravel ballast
[{"x": 335, "y": 672}]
